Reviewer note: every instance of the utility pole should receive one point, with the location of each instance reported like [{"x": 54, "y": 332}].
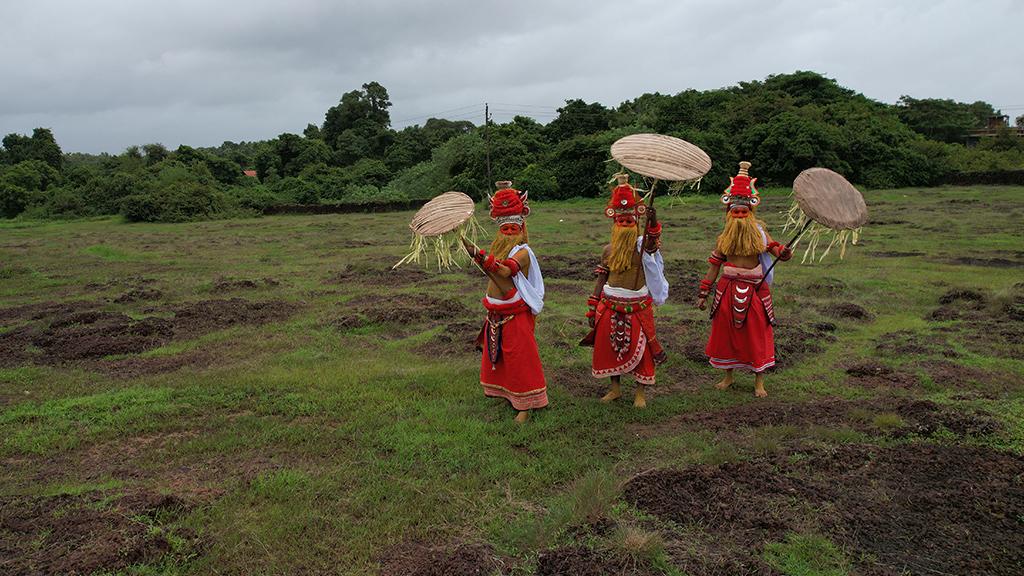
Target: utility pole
[{"x": 487, "y": 143}]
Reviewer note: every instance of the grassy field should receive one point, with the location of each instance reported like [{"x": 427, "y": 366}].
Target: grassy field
[{"x": 267, "y": 397}]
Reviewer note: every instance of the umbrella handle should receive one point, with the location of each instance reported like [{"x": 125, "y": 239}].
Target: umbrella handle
[
  {"x": 788, "y": 244},
  {"x": 646, "y": 218}
]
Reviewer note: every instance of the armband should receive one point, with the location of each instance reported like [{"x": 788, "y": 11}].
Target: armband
[{"x": 513, "y": 265}]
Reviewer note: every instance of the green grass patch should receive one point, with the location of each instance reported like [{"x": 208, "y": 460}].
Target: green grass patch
[{"x": 806, "y": 555}]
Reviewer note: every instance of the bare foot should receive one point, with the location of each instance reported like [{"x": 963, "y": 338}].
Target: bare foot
[
  {"x": 759, "y": 390},
  {"x": 639, "y": 401},
  {"x": 523, "y": 416},
  {"x": 614, "y": 394},
  {"x": 725, "y": 383}
]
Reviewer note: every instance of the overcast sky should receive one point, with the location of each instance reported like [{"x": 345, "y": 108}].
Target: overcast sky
[{"x": 105, "y": 74}]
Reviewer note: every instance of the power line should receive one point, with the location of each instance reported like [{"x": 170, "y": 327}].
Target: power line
[{"x": 437, "y": 114}]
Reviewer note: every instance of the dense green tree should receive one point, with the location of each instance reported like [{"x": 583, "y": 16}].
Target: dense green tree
[
  {"x": 40, "y": 146},
  {"x": 578, "y": 118},
  {"x": 365, "y": 111},
  {"x": 155, "y": 152},
  {"x": 942, "y": 120}
]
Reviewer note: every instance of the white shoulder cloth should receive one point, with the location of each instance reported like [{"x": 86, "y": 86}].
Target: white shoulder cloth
[
  {"x": 530, "y": 288},
  {"x": 654, "y": 271}
]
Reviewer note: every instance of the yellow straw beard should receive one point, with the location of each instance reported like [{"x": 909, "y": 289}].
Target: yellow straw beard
[
  {"x": 503, "y": 244},
  {"x": 623, "y": 247},
  {"x": 741, "y": 237}
]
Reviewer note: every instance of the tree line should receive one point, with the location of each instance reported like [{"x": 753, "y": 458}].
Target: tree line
[{"x": 783, "y": 124}]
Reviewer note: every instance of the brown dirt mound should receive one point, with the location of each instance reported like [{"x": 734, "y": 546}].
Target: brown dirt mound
[
  {"x": 961, "y": 377},
  {"x": 40, "y": 310},
  {"x": 139, "y": 295},
  {"x": 403, "y": 314},
  {"x": 80, "y": 534},
  {"x": 73, "y": 333},
  {"x": 417, "y": 559},
  {"x": 94, "y": 334},
  {"x": 580, "y": 561},
  {"x": 917, "y": 509},
  {"x": 912, "y": 343},
  {"x": 570, "y": 267},
  {"x": 826, "y": 286},
  {"x": 684, "y": 276},
  {"x": 875, "y": 375},
  {"x": 134, "y": 367},
  {"x": 796, "y": 340},
  {"x": 988, "y": 325},
  {"x": 378, "y": 272},
  {"x": 457, "y": 338},
  {"x": 226, "y": 284},
  {"x": 916, "y": 417},
  {"x": 210, "y": 315},
  {"x": 984, "y": 262},
  {"x": 894, "y": 254}
]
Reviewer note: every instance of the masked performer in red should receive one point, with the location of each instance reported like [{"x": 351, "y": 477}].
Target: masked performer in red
[
  {"x": 741, "y": 310},
  {"x": 510, "y": 367},
  {"x": 630, "y": 282}
]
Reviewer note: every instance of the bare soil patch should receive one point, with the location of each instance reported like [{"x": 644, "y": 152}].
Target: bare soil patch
[
  {"x": 581, "y": 561},
  {"x": 915, "y": 417},
  {"x": 402, "y": 315},
  {"x": 913, "y": 343},
  {"x": 378, "y": 272},
  {"x": 84, "y": 534},
  {"x": 986, "y": 324},
  {"x": 139, "y": 294},
  {"x": 870, "y": 374},
  {"x": 456, "y": 339},
  {"x": 919, "y": 508},
  {"x": 570, "y": 267},
  {"x": 80, "y": 332},
  {"x": 419, "y": 559},
  {"x": 229, "y": 284}
]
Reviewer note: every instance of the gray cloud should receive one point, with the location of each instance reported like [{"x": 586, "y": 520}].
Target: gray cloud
[{"x": 106, "y": 74}]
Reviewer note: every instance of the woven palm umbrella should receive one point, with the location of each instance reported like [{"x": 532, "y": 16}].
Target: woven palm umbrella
[
  {"x": 659, "y": 157},
  {"x": 439, "y": 227},
  {"x": 825, "y": 205}
]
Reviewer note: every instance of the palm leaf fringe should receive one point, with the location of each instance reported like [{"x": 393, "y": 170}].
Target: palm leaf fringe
[
  {"x": 817, "y": 235},
  {"x": 445, "y": 250}
]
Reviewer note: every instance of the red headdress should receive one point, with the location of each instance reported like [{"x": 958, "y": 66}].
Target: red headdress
[
  {"x": 624, "y": 200},
  {"x": 508, "y": 205},
  {"x": 741, "y": 189}
]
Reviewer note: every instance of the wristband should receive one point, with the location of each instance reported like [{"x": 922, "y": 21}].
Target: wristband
[{"x": 513, "y": 265}]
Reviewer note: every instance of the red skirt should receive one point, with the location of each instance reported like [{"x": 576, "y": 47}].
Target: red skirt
[
  {"x": 741, "y": 325},
  {"x": 510, "y": 367},
  {"x": 624, "y": 339}
]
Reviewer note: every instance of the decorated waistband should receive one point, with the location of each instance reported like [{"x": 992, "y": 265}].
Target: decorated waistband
[
  {"x": 736, "y": 273},
  {"x": 627, "y": 305}
]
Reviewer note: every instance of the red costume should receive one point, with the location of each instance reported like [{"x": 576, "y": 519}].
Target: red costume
[
  {"x": 741, "y": 310},
  {"x": 510, "y": 367},
  {"x": 741, "y": 322},
  {"x": 624, "y": 337}
]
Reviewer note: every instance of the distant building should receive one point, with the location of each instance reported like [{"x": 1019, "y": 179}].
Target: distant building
[
  {"x": 995, "y": 125},
  {"x": 250, "y": 173}
]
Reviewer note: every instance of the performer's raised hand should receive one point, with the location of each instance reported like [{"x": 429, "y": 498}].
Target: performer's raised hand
[
  {"x": 786, "y": 253},
  {"x": 471, "y": 249}
]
